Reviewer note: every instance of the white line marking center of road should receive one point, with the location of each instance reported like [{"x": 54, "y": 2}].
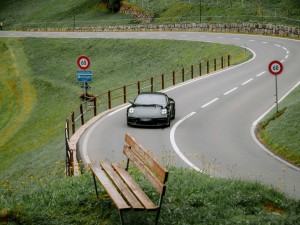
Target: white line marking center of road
[
  {"x": 246, "y": 82},
  {"x": 228, "y": 92},
  {"x": 209, "y": 103}
]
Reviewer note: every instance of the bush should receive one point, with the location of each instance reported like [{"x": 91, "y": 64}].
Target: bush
[{"x": 113, "y": 5}]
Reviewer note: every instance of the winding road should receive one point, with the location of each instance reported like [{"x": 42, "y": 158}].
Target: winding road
[{"x": 213, "y": 131}]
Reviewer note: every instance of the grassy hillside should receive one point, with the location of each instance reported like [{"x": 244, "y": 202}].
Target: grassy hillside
[
  {"x": 56, "y": 13},
  {"x": 279, "y": 11}
]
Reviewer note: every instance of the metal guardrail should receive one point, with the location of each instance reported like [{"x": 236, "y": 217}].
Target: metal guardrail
[{"x": 120, "y": 95}]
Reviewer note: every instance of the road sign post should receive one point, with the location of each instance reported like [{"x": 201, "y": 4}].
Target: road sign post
[
  {"x": 84, "y": 76},
  {"x": 83, "y": 62},
  {"x": 275, "y": 68}
]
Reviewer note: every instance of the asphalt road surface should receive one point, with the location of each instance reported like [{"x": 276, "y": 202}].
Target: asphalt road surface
[{"x": 213, "y": 131}]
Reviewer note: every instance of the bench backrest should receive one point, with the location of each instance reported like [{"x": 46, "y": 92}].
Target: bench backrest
[{"x": 148, "y": 166}]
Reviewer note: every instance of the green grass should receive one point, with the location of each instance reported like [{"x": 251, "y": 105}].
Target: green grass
[
  {"x": 280, "y": 11},
  {"x": 191, "y": 198},
  {"x": 85, "y": 13},
  {"x": 282, "y": 131}
]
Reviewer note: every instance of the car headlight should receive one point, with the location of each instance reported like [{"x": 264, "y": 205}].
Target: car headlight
[
  {"x": 164, "y": 111},
  {"x": 131, "y": 110}
]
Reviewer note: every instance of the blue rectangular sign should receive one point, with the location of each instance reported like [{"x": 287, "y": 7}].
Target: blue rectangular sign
[{"x": 84, "y": 76}]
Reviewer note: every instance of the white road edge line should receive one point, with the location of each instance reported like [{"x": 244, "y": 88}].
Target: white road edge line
[
  {"x": 246, "y": 82},
  {"x": 175, "y": 147},
  {"x": 207, "y": 104},
  {"x": 253, "y": 127},
  {"x": 228, "y": 92}
]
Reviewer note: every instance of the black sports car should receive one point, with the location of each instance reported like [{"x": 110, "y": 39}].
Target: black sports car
[{"x": 151, "y": 109}]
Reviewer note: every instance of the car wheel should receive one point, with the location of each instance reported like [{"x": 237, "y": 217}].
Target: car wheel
[
  {"x": 168, "y": 122},
  {"x": 173, "y": 114}
]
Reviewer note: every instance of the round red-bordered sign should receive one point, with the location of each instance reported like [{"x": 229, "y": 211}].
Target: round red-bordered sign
[
  {"x": 83, "y": 62},
  {"x": 275, "y": 67}
]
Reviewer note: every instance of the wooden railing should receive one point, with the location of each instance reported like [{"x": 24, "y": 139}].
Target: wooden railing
[{"x": 120, "y": 95}]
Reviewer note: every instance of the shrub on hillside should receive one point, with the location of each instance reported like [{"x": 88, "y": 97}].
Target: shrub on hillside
[{"x": 113, "y": 5}]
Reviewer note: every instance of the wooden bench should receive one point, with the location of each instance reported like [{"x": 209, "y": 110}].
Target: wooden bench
[{"x": 121, "y": 187}]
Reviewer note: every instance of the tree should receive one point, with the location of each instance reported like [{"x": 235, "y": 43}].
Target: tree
[{"x": 113, "y": 5}]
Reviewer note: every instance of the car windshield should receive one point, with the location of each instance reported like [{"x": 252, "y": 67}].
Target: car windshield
[{"x": 151, "y": 99}]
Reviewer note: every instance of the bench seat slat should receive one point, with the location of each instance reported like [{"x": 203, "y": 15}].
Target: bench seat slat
[
  {"x": 124, "y": 190},
  {"x": 109, "y": 187},
  {"x": 139, "y": 193}
]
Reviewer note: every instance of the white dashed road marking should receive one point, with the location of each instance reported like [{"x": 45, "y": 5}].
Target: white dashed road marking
[
  {"x": 212, "y": 101},
  {"x": 246, "y": 82},
  {"x": 232, "y": 90}
]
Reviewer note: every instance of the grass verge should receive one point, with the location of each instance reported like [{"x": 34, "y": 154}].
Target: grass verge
[{"x": 281, "y": 131}]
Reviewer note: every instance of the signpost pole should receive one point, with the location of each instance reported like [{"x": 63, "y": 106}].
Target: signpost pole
[
  {"x": 275, "y": 68},
  {"x": 84, "y": 76},
  {"x": 276, "y": 90}
]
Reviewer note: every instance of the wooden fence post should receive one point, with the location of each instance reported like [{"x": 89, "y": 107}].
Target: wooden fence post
[
  {"x": 207, "y": 67},
  {"x": 95, "y": 106},
  {"x": 73, "y": 122},
  {"x": 222, "y": 62},
  {"x": 109, "y": 99},
  {"x": 81, "y": 114},
  {"x": 215, "y": 64},
  {"x": 68, "y": 128},
  {"x": 163, "y": 81},
  {"x": 192, "y": 71},
  {"x": 228, "y": 60},
  {"x": 152, "y": 84},
  {"x": 139, "y": 87},
  {"x": 200, "y": 69},
  {"x": 124, "y": 94},
  {"x": 182, "y": 74},
  {"x": 174, "y": 80}
]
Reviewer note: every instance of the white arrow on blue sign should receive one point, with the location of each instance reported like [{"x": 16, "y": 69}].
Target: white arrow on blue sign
[{"x": 84, "y": 76}]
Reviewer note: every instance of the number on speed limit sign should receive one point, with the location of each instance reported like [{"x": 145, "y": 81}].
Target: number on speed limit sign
[
  {"x": 83, "y": 62},
  {"x": 275, "y": 67}
]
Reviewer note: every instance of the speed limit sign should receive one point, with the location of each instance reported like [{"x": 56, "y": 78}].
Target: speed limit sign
[
  {"x": 83, "y": 62},
  {"x": 275, "y": 67}
]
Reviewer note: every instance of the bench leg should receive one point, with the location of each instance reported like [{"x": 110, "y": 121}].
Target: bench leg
[
  {"x": 95, "y": 183},
  {"x": 158, "y": 210},
  {"x": 121, "y": 217}
]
